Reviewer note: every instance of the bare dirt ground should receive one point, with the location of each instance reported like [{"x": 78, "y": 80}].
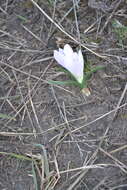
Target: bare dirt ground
[{"x": 51, "y": 136}]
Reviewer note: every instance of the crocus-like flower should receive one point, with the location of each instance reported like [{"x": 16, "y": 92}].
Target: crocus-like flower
[{"x": 71, "y": 61}]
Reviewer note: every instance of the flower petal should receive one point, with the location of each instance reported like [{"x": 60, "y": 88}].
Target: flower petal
[
  {"x": 61, "y": 51},
  {"x": 59, "y": 57},
  {"x": 68, "y": 50},
  {"x": 81, "y": 60},
  {"x": 78, "y": 67},
  {"x": 73, "y": 66}
]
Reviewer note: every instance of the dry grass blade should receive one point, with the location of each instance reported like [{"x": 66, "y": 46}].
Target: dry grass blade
[
  {"x": 25, "y": 104},
  {"x": 35, "y": 36},
  {"x": 122, "y": 166},
  {"x": 33, "y": 108},
  {"x": 67, "y": 34},
  {"x": 76, "y": 19},
  {"x": 32, "y": 134},
  {"x": 118, "y": 149},
  {"x": 100, "y": 166},
  {"x": 78, "y": 179},
  {"x": 17, "y": 49},
  {"x": 13, "y": 37},
  {"x": 3, "y": 10},
  {"x": 53, "y": 128},
  {"x": 23, "y": 72},
  {"x": 120, "y": 100},
  {"x": 119, "y": 187},
  {"x": 37, "y": 61},
  {"x": 79, "y": 176},
  {"x": 99, "y": 184},
  {"x": 111, "y": 15},
  {"x": 104, "y": 115},
  {"x": 53, "y": 16},
  {"x": 63, "y": 18}
]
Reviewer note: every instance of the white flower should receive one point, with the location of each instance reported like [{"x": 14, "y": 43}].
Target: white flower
[{"x": 71, "y": 61}]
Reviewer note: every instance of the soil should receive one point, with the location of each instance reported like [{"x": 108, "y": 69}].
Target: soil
[{"x": 52, "y": 136}]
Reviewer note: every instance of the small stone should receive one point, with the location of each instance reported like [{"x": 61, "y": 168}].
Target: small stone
[{"x": 86, "y": 91}]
